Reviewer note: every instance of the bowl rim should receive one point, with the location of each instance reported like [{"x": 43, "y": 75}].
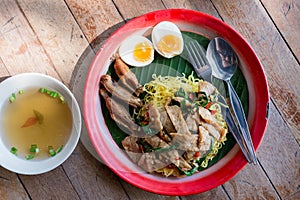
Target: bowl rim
[
  {"x": 190, "y": 185},
  {"x": 34, "y": 167}
]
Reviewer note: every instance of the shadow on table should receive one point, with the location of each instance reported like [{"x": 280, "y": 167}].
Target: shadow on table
[
  {"x": 3, "y": 78},
  {"x": 78, "y": 79},
  {"x": 89, "y": 53}
]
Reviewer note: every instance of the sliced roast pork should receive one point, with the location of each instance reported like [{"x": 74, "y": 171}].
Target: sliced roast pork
[
  {"x": 175, "y": 114},
  {"x": 127, "y": 77},
  {"x": 119, "y": 92}
]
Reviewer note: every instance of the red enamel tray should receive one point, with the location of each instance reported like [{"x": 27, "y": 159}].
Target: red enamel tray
[{"x": 117, "y": 160}]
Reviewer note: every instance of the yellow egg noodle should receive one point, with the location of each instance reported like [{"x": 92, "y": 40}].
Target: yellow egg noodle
[{"x": 163, "y": 87}]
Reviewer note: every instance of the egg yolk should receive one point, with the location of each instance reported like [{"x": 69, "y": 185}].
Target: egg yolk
[
  {"x": 169, "y": 44},
  {"x": 142, "y": 52}
]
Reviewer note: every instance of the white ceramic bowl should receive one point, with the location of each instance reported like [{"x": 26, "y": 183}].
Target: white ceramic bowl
[{"x": 31, "y": 167}]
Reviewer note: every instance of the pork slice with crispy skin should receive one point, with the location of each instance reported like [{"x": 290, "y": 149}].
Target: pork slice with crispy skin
[
  {"x": 154, "y": 115},
  {"x": 119, "y": 114},
  {"x": 185, "y": 142},
  {"x": 119, "y": 92},
  {"x": 166, "y": 122},
  {"x": 150, "y": 162},
  {"x": 206, "y": 87},
  {"x": 210, "y": 119},
  {"x": 166, "y": 154},
  {"x": 204, "y": 140},
  {"x": 127, "y": 77},
  {"x": 132, "y": 148},
  {"x": 213, "y": 131},
  {"x": 175, "y": 114},
  {"x": 191, "y": 123}
]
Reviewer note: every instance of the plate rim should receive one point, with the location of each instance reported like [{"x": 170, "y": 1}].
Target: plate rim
[{"x": 177, "y": 188}]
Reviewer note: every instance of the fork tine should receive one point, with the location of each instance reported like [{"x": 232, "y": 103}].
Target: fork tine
[
  {"x": 201, "y": 53},
  {"x": 197, "y": 57},
  {"x": 190, "y": 54},
  {"x": 192, "y": 50}
]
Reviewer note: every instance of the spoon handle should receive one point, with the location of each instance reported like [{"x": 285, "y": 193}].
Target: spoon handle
[{"x": 241, "y": 119}]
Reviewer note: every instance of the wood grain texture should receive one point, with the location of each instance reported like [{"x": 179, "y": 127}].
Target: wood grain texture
[
  {"x": 251, "y": 183},
  {"x": 61, "y": 37},
  {"x": 140, "y": 7},
  {"x": 63, "y": 41},
  {"x": 217, "y": 193},
  {"x": 94, "y": 16},
  {"x": 285, "y": 15},
  {"x": 136, "y": 193},
  {"x": 282, "y": 165},
  {"x": 204, "y": 6},
  {"x": 49, "y": 185},
  {"x": 20, "y": 49},
  {"x": 282, "y": 71},
  {"x": 3, "y": 70},
  {"x": 95, "y": 180},
  {"x": 10, "y": 186}
]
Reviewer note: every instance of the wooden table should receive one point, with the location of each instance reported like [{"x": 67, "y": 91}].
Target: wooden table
[{"x": 61, "y": 37}]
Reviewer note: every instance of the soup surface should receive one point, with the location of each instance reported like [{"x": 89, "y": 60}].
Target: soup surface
[{"x": 36, "y": 118}]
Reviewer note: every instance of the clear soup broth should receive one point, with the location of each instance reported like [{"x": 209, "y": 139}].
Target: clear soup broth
[{"x": 35, "y": 118}]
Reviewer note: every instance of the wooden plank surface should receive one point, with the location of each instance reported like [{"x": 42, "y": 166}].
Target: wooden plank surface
[
  {"x": 20, "y": 49},
  {"x": 10, "y": 186},
  {"x": 269, "y": 46},
  {"x": 3, "y": 71},
  {"x": 94, "y": 179},
  {"x": 140, "y": 7},
  {"x": 285, "y": 15},
  {"x": 242, "y": 186},
  {"x": 61, "y": 37},
  {"x": 94, "y": 17},
  {"x": 282, "y": 165},
  {"x": 63, "y": 41},
  {"x": 49, "y": 185}
]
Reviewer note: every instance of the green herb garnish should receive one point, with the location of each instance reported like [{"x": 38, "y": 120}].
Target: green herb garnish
[
  {"x": 12, "y": 98},
  {"x": 43, "y": 90},
  {"x": 191, "y": 171},
  {"x": 51, "y": 151},
  {"x": 14, "y": 150},
  {"x": 53, "y": 94},
  {"x": 61, "y": 98},
  {"x": 59, "y": 149},
  {"x": 39, "y": 116},
  {"x": 29, "y": 156},
  {"x": 34, "y": 148}
]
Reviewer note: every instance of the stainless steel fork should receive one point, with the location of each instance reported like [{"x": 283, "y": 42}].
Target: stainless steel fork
[{"x": 197, "y": 57}]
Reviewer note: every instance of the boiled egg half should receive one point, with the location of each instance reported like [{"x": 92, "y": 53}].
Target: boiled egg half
[
  {"x": 167, "y": 39},
  {"x": 137, "y": 51}
]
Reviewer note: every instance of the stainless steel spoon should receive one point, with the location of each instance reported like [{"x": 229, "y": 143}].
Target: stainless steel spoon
[{"x": 224, "y": 62}]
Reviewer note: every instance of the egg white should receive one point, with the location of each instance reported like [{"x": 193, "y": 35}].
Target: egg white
[
  {"x": 162, "y": 29},
  {"x": 127, "y": 48}
]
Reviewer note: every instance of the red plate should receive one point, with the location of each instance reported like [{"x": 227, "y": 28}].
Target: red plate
[{"x": 117, "y": 160}]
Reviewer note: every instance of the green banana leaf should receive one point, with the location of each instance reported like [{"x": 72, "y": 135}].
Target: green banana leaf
[{"x": 176, "y": 67}]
